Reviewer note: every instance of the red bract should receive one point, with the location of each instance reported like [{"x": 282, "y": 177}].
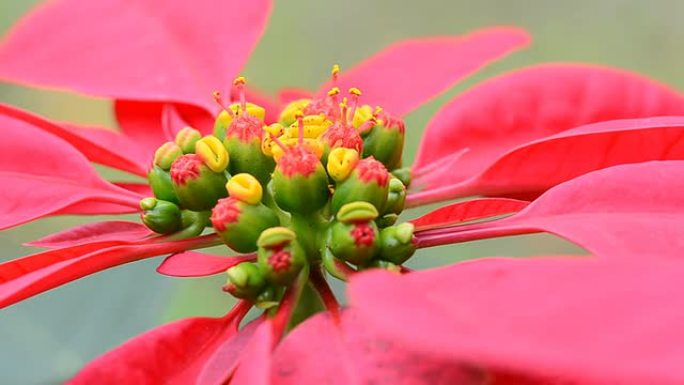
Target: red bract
[{"x": 531, "y": 134}]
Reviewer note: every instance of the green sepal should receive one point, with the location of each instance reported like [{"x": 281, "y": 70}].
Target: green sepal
[
  {"x": 243, "y": 234},
  {"x": 386, "y": 144},
  {"x": 161, "y": 216},
  {"x": 247, "y": 157},
  {"x": 203, "y": 192},
  {"x": 344, "y": 245},
  {"x": 403, "y": 174},
  {"x": 246, "y": 281},
  {"x": 301, "y": 194},
  {"x": 161, "y": 184},
  {"x": 296, "y": 260},
  {"x": 354, "y": 189},
  {"x": 397, "y": 243}
]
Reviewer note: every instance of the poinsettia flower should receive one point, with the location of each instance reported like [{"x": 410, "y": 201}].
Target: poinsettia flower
[{"x": 515, "y": 136}]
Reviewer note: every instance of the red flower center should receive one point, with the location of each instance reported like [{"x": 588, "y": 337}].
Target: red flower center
[
  {"x": 370, "y": 169},
  {"x": 341, "y": 134},
  {"x": 186, "y": 168},
  {"x": 226, "y": 211},
  {"x": 280, "y": 260},
  {"x": 245, "y": 127},
  {"x": 298, "y": 160},
  {"x": 363, "y": 235}
]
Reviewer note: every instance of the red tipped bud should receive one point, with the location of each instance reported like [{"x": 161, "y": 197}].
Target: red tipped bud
[
  {"x": 198, "y": 187},
  {"x": 280, "y": 257},
  {"x": 239, "y": 224},
  {"x": 368, "y": 182},
  {"x": 300, "y": 183}
]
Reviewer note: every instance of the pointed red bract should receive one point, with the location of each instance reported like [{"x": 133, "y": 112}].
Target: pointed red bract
[
  {"x": 41, "y": 174},
  {"x": 631, "y": 211},
  {"x": 101, "y": 146},
  {"x": 25, "y": 277},
  {"x": 531, "y": 168},
  {"x": 194, "y": 264},
  {"x": 468, "y": 211},
  {"x": 352, "y": 354},
  {"x": 576, "y": 318},
  {"x": 144, "y": 50},
  {"x": 435, "y": 64},
  {"x": 529, "y": 104},
  {"x": 172, "y": 354},
  {"x": 118, "y": 231}
]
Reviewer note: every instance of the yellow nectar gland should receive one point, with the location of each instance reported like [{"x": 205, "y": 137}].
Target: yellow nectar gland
[
  {"x": 226, "y": 118},
  {"x": 274, "y": 130},
  {"x": 341, "y": 162},
  {"x": 289, "y": 113},
  {"x": 314, "y": 126},
  {"x": 245, "y": 188},
  {"x": 213, "y": 153}
]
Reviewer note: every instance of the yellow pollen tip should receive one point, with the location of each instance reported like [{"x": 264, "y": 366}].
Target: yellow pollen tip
[
  {"x": 245, "y": 188},
  {"x": 240, "y": 80},
  {"x": 333, "y": 91},
  {"x": 335, "y": 70},
  {"x": 213, "y": 153},
  {"x": 355, "y": 91},
  {"x": 341, "y": 162}
]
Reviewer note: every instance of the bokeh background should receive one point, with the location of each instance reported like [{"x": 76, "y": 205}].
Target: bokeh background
[{"x": 46, "y": 339}]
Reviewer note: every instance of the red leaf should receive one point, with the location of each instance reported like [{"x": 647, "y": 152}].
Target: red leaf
[
  {"x": 42, "y": 175},
  {"x": 101, "y": 146},
  {"x": 575, "y": 318},
  {"x": 529, "y": 104},
  {"x": 630, "y": 211},
  {"x": 150, "y": 124},
  {"x": 353, "y": 354},
  {"x": 435, "y": 65},
  {"x": 144, "y": 50},
  {"x": 530, "y": 169},
  {"x": 467, "y": 211},
  {"x": 255, "y": 363},
  {"x": 25, "y": 277},
  {"x": 174, "y": 353},
  {"x": 194, "y": 264},
  {"x": 117, "y": 231}
]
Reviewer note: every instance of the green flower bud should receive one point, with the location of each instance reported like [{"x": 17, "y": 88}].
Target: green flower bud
[
  {"x": 385, "y": 141},
  {"x": 166, "y": 154},
  {"x": 239, "y": 224},
  {"x": 161, "y": 216},
  {"x": 369, "y": 182},
  {"x": 245, "y": 280},
  {"x": 247, "y": 157},
  {"x": 280, "y": 257},
  {"x": 187, "y": 138},
  {"x": 396, "y": 197},
  {"x": 387, "y": 220},
  {"x": 354, "y": 236},
  {"x": 403, "y": 174},
  {"x": 161, "y": 184},
  {"x": 197, "y": 187},
  {"x": 300, "y": 183},
  {"x": 397, "y": 243}
]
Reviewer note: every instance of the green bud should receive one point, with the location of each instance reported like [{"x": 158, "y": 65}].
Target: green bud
[
  {"x": 166, "y": 154},
  {"x": 397, "y": 243},
  {"x": 245, "y": 280},
  {"x": 380, "y": 264},
  {"x": 161, "y": 184},
  {"x": 197, "y": 187},
  {"x": 396, "y": 197},
  {"x": 403, "y": 174},
  {"x": 369, "y": 182},
  {"x": 187, "y": 138},
  {"x": 280, "y": 257},
  {"x": 387, "y": 220},
  {"x": 267, "y": 299},
  {"x": 354, "y": 236},
  {"x": 161, "y": 216},
  {"x": 247, "y": 157},
  {"x": 300, "y": 183},
  {"x": 385, "y": 142},
  {"x": 240, "y": 224}
]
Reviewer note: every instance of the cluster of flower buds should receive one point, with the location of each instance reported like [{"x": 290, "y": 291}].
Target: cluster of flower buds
[{"x": 322, "y": 186}]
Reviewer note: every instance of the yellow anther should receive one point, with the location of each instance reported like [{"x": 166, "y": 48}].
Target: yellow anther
[
  {"x": 333, "y": 91},
  {"x": 341, "y": 162},
  {"x": 355, "y": 91},
  {"x": 240, "y": 80},
  {"x": 246, "y": 188},
  {"x": 287, "y": 116},
  {"x": 275, "y": 129},
  {"x": 267, "y": 144},
  {"x": 335, "y": 70},
  {"x": 363, "y": 114},
  {"x": 212, "y": 152},
  {"x": 314, "y": 126}
]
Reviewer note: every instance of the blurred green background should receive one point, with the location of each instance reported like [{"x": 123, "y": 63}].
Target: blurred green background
[{"x": 46, "y": 339}]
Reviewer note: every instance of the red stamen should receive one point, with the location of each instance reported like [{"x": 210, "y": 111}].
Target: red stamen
[
  {"x": 370, "y": 169},
  {"x": 225, "y": 212},
  {"x": 298, "y": 161},
  {"x": 356, "y": 93},
  {"x": 239, "y": 83},
  {"x": 245, "y": 127},
  {"x": 363, "y": 235},
  {"x": 280, "y": 260},
  {"x": 219, "y": 100},
  {"x": 300, "y": 126},
  {"x": 186, "y": 168}
]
